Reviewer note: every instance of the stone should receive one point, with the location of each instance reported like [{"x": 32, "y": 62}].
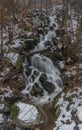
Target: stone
[
  {"x": 29, "y": 44},
  {"x": 76, "y": 127},
  {"x": 40, "y": 30},
  {"x": 36, "y": 90},
  {"x": 33, "y": 77},
  {"x": 59, "y": 83},
  {"x": 36, "y": 73},
  {"x": 26, "y": 115},
  {"x": 28, "y": 71},
  {"x": 36, "y": 21},
  {"x": 43, "y": 77},
  {"x": 48, "y": 86},
  {"x": 48, "y": 43}
]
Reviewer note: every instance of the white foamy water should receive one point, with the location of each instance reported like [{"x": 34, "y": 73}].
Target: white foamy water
[{"x": 44, "y": 65}]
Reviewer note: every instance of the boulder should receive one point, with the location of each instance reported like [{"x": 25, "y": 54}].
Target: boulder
[
  {"x": 26, "y": 115},
  {"x": 48, "y": 86},
  {"x": 36, "y": 73},
  {"x": 36, "y": 21},
  {"x": 29, "y": 44},
  {"x": 36, "y": 90},
  {"x": 28, "y": 71},
  {"x": 59, "y": 83},
  {"x": 43, "y": 77}
]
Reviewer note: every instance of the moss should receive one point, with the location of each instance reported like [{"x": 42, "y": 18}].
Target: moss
[
  {"x": 14, "y": 111},
  {"x": 54, "y": 107},
  {"x": 35, "y": 38},
  {"x": 19, "y": 63},
  {"x": 41, "y": 16},
  {"x": 26, "y": 29}
]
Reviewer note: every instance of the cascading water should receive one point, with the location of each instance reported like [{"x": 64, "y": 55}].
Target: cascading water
[
  {"x": 44, "y": 78},
  {"x": 43, "y": 64},
  {"x": 48, "y": 37}
]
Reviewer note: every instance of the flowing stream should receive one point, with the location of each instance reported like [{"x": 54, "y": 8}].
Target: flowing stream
[{"x": 44, "y": 76}]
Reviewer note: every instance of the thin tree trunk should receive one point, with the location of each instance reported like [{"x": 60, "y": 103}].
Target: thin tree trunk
[{"x": 2, "y": 55}]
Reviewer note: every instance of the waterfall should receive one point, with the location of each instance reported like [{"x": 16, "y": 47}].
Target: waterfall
[
  {"x": 48, "y": 37},
  {"x": 47, "y": 79},
  {"x": 43, "y": 64}
]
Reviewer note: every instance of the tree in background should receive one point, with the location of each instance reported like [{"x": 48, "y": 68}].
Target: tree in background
[{"x": 2, "y": 6}]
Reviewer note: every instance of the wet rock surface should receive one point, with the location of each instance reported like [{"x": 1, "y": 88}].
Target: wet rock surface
[
  {"x": 36, "y": 90},
  {"x": 48, "y": 86},
  {"x": 43, "y": 77}
]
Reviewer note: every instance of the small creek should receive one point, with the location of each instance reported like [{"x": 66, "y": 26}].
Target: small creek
[{"x": 42, "y": 76}]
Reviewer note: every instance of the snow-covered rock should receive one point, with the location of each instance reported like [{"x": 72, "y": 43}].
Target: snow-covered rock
[
  {"x": 70, "y": 116},
  {"x": 26, "y": 114},
  {"x": 36, "y": 21}
]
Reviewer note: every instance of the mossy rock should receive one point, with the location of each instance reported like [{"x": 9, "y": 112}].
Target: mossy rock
[
  {"x": 14, "y": 111},
  {"x": 36, "y": 90},
  {"x": 35, "y": 38},
  {"x": 18, "y": 63},
  {"x": 48, "y": 86},
  {"x": 30, "y": 44},
  {"x": 26, "y": 29},
  {"x": 41, "y": 16},
  {"x": 28, "y": 71},
  {"x": 54, "y": 106},
  {"x": 43, "y": 77}
]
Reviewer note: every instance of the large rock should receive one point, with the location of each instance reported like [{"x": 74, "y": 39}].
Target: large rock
[
  {"x": 48, "y": 86},
  {"x": 59, "y": 83},
  {"x": 43, "y": 77},
  {"x": 28, "y": 71},
  {"x": 36, "y": 21},
  {"x": 36, "y": 73},
  {"x": 36, "y": 90},
  {"x": 29, "y": 44},
  {"x": 26, "y": 115}
]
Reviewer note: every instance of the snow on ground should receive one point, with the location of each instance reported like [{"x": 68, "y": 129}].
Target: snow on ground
[
  {"x": 1, "y": 118},
  {"x": 6, "y": 71},
  {"x": 27, "y": 113},
  {"x": 6, "y": 92},
  {"x": 16, "y": 43},
  {"x": 13, "y": 57},
  {"x": 70, "y": 111},
  {"x": 1, "y": 115},
  {"x": 79, "y": 112}
]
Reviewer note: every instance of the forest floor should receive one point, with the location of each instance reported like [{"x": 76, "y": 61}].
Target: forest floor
[{"x": 66, "y": 113}]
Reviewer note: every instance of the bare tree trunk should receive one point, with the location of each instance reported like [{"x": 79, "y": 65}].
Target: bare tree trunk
[{"x": 2, "y": 54}]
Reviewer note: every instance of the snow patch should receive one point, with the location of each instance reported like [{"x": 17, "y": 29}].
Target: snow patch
[{"x": 28, "y": 113}]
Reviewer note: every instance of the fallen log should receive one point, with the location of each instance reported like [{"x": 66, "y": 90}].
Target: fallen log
[{"x": 28, "y": 54}]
